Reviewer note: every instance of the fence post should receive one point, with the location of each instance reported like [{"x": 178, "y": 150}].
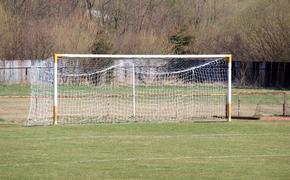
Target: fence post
[
  {"x": 285, "y": 105},
  {"x": 239, "y": 104}
]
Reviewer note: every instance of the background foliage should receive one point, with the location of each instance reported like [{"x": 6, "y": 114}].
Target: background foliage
[{"x": 251, "y": 30}]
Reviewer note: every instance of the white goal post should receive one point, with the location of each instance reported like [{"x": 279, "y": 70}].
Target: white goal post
[{"x": 130, "y": 88}]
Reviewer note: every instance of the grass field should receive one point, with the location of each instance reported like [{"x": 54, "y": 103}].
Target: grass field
[
  {"x": 237, "y": 150},
  {"x": 14, "y": 109}
]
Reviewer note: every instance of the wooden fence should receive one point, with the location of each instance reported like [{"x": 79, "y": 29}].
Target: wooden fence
[
  {"x": 245, "y": 74},
  {"x": 15, "y": 71}
]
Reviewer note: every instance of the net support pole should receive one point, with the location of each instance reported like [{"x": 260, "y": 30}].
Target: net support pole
[
  {"x": 133, "y": 91},
  {"x": 55, "y": 91},
  {"x": 229, "y": 93}
]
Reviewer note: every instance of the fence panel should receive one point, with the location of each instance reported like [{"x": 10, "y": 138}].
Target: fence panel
[
  {"x": 15, "y": 71},
  {"x": 261, "y": 104}
]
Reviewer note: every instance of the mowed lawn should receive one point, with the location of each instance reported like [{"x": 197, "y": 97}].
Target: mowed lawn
[
  {"x": 216, "y": 150},
  {"x": 237, "y": 150}
]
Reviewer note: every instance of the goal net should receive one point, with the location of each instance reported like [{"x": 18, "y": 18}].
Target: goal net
[{"x": 77, "y": 89}]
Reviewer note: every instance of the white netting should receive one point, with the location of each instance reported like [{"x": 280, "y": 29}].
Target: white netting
[{"x": 125, "y": 90}]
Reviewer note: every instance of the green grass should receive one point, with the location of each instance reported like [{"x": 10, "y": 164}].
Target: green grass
[
  {"x": 14, "y": 90},
  {"x": 237, "y": 150},
  {"x": 262, "y": 99},
  {"x": 16, "y": 109},
  {"x": 24, "y": 90}
]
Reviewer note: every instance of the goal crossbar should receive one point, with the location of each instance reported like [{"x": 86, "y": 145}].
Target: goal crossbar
[{"x": 156, "y": 56}]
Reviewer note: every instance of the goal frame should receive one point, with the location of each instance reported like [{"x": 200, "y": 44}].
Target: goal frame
[{"x": 228, "y": 58}]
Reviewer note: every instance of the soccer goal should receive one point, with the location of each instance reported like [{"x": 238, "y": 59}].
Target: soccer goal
[{"x": 100, "y": 88}]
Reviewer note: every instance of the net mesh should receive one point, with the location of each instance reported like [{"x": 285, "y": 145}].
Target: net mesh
[{"x": 129, "y": 90}]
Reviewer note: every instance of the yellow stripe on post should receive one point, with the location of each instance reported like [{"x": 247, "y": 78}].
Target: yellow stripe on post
[
  {"x": 230, "y": 58},
  {"x": 55, "y": 58},
  {"x": 55, "y": 113},
  {"x": 229, "y": 111}
]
